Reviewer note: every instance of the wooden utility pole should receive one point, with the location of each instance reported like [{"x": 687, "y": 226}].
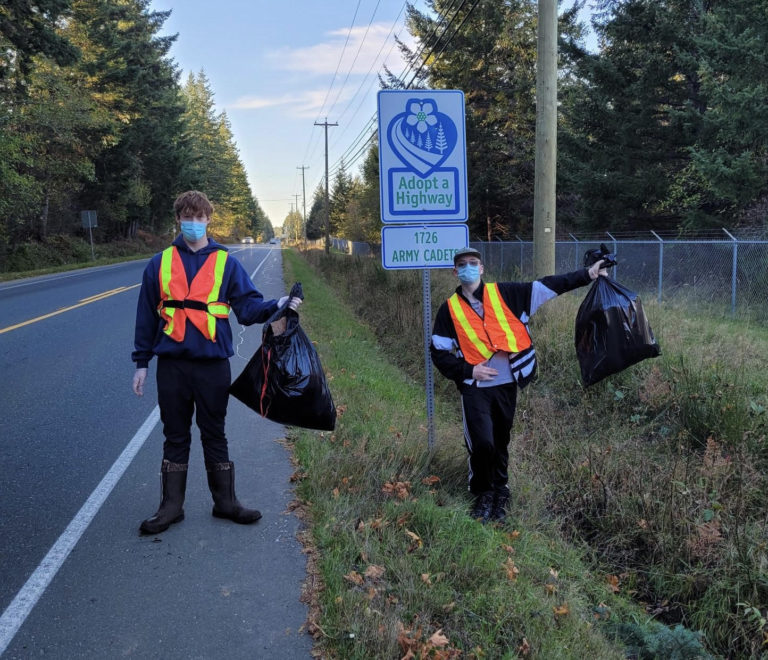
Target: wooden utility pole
[
  {"x": 327, "y": 197},
  {"x": 544, "y": 207},
  {"x": 304, "y": 196}
]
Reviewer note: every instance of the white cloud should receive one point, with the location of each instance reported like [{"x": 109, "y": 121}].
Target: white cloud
[
  {"x": 376, "y": 48},
  {"x": 304, "y": 105},
  {"x": 324, "y": 58}
]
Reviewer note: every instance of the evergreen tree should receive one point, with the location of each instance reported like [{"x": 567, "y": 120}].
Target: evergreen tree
[
  {"x": 730, "y": 156},
  {"x": 628, "y": 129},
  {"x": 492, "y": 58},
  {"x": 56, "y": 124},
  {"x": 260, "y": 225},
  {"x": 125, "y": 67},
  {"x": 27, "y": 29},
  {"x": 207, "y": 140},
  {"x": 316, "y": 217},
  {"x": 370, "y": 195},
  {"x": 340, "y": 196}
]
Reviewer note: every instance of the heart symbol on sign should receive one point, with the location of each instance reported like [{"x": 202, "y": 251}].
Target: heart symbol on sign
[{"x": 422, "y": 138}]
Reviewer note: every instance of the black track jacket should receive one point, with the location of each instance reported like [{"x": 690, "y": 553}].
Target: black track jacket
[{"x": 523, "y": 299}]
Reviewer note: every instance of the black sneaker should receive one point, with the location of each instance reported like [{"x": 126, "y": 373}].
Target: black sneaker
[
  {"x": 499, "y": 508},
  {"x": 481, "y": 510}
]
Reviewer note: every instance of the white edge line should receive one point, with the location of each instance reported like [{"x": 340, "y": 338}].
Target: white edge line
[
  {"x": 17, "y": 612},
  {"x": 258, "y": 268}
]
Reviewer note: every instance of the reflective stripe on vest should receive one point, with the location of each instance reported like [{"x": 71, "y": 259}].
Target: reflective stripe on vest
[
  {"x": 499, "y": 330},
  {"x": 202, "y": 293}
]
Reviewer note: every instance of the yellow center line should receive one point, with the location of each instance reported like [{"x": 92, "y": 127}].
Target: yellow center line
[
  {"x": 83, "y": 302},
  {"x": 99, "y": 296}
]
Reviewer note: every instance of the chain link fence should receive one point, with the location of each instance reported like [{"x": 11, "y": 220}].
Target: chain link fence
[
  {"x": 727, "y": 276},
  {"x": 730, "y": 275}
]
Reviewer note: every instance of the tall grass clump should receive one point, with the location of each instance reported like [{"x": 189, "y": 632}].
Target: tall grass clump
[
  {"x": 658, "y": 471},
  {"x": 399, "y": 568}
]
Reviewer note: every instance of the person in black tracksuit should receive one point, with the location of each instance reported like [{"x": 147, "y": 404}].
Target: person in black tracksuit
[{"x": 488, "y": 386}]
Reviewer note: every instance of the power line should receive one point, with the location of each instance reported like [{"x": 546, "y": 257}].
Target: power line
[
  {"x": 350, "y": 161},
  {"x": 312, "y": 144},
  {"x": 357, "y": 54},
  {"x": 341, "y": 57}
]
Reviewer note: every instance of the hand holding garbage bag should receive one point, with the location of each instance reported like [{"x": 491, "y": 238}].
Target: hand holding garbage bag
[
  {"x": 284, "y": 380},
  {"x": 612, "y": 331}
]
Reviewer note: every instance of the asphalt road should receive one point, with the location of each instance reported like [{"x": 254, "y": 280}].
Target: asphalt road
[{"x": 206, "y": 588}]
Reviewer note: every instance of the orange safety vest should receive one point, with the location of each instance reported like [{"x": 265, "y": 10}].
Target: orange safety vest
[
  {"x": 499, "y": 330},
  {"x": 197, "y": 301}
]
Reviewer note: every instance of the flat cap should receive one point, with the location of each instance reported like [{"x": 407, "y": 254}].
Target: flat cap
[{"x": 466, "y": 252}]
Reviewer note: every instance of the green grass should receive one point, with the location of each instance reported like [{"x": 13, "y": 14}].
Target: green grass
[
  {"x": 396, "y": 569},
  {"x": 656, "y": 475}
]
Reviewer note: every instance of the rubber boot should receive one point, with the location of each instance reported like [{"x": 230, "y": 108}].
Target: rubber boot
[
  {"x": 174, "y": 480},
  {"x": 221, "y": 481}
]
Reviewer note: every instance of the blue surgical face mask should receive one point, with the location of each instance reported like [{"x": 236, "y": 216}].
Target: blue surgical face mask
[
  {"x": 468, "y": 273},
  {"x": 192, "y": 231}
]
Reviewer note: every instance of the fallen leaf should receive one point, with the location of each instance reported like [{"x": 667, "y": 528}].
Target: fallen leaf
[
  {"x": 525, "y": 648},
  {"x": 374, "y": 572},
  {"x": 335, "y": 493},
  {"x": 400, "y": 489},
  {"x": 425, "y": 579},
  {"x": 417, "y": 542},
  {"x": 613, "y": 583},
  {"x": 438, "y": 639},
  {"x": 512, "y": 570},
  {"x": 431, "y": 480},
  {"x": 354, "y": 577},
  {"x": 562, "y": 610}
]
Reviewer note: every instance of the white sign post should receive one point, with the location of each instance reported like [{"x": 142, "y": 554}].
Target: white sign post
[{"x": 423, "y": 181}]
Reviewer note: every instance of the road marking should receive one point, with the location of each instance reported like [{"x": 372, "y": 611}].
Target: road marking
[
  {"x": 39, "y": 279},
  {"x": 18, "y": 611},
  {"x": 241, "y": 333},
  {"x": 253, "y": 274},
  {"x": 81, "y": 303}
]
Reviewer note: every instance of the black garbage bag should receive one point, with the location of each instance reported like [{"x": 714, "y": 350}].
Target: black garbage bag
[
  {"x": 612, "y": 331},
  {"x": 284, "y": 380}
]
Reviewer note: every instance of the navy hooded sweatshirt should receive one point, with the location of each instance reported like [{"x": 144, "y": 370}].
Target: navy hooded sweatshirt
[{"x": 237, "y": 290}]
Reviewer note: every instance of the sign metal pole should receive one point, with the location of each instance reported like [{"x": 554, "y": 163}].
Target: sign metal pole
[
  {"x": 423, "y": 183},
  {"x": 430, "y": 382}
]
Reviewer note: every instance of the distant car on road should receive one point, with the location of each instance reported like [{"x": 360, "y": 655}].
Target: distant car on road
[
  {"x": 247, "y": 239},
  {"x": 274, "y": 241}
]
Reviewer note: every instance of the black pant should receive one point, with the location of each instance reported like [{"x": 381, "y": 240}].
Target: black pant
[
  {"x": 184, "y": 386},
  {"x": 488, "y": 416}
]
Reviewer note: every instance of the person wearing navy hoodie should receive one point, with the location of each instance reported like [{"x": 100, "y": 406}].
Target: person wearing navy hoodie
[{"x": 182, "y": 315}]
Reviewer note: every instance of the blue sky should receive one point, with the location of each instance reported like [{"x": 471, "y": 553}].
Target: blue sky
[{"x": 277, "y": 68}]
